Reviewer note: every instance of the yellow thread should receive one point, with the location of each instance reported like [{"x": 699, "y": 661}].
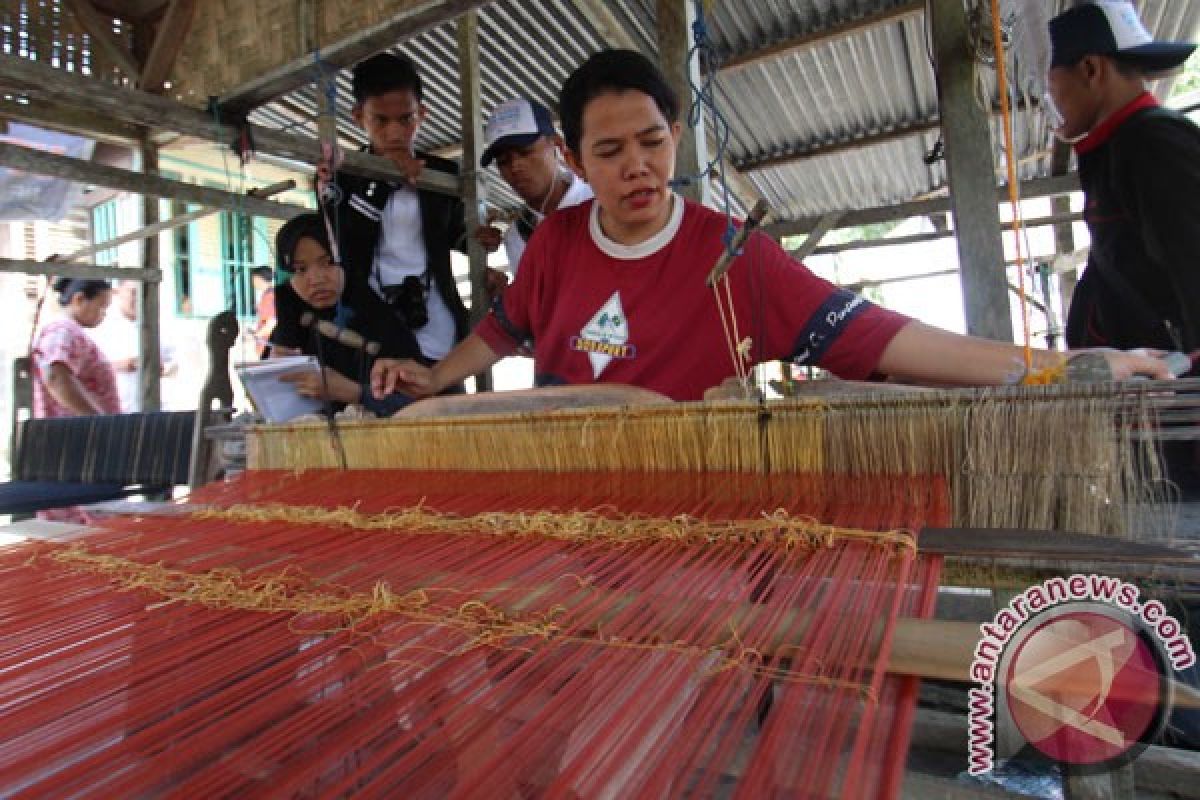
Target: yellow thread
[
  {"x": 1045, "y": 377},
  {"x": 777, "y": 528},
  {"x": 291, "y": 590}
]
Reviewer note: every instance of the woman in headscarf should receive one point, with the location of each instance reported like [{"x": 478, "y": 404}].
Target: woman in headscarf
[{"x": 315, "y": 286}]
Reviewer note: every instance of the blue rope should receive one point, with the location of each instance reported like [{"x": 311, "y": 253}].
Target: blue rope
[{"x": 705, "y": 99}]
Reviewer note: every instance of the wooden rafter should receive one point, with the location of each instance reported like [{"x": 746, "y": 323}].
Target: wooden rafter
[
  {"x": 168, "y": 40},
  {"x": 44, "y": 83},
  {"x": 1042, "y": 187},
  {"x": 130, "y": 10},
  {"x": 371, "y": 40},
  {"x": 40, "y": 162}
]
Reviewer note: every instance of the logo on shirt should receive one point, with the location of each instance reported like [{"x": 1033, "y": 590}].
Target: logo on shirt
[
  {"x": 605, "y": 336},
  {"x": 825, "y": 325}
]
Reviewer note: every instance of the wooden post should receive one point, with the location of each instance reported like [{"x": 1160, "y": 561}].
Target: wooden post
[
  {"x": 966, "y": 130},
  {"x": 149, "y": 315},
  {"x": 675, "y": 18},
  {"x": 473, "y": 190},
  {"x": 1064, "y": 236}
]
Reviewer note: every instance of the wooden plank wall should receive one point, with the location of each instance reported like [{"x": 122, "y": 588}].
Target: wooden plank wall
[{"x": 234, "y": 41}]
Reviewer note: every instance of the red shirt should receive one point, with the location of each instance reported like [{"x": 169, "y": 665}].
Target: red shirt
[{"x": 647, "y": 319}]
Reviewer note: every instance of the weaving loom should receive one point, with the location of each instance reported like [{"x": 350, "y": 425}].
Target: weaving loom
[{"x": 660, "y": 601}]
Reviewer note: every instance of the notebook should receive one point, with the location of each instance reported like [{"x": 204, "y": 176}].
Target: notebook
[{"x": 274, "y": 399}]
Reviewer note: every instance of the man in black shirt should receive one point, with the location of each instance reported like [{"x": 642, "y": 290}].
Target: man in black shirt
[
  {"x": 1139, "y": 165},
  {"x": 395, "y": 240}
]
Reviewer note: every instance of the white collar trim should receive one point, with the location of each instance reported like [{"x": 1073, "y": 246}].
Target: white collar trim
[{"x": 631, "y": 252}]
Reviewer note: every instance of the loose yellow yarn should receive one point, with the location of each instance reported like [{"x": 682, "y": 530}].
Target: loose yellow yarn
[
  {"x": 777, "y": 528},
  {"x": 483, "y": 624}
]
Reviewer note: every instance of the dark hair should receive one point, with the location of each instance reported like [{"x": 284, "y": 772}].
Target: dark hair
[
  {"x": 264, "y": 272},
  {"x": 612, "y": 71},
  {"x": 69, "y": 287},
  {"x": 384, "y": 73},
  {"x": 295, "y": 229}
]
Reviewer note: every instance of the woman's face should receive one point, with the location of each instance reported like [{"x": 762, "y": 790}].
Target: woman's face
[
  {"x": 315, "y": 277},
  {"x": 627, "y": 155},
  {"x": 89, "y": 312}
]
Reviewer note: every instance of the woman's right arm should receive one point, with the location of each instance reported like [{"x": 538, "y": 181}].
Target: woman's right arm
[
  {"x": 471, "y": 357},
  {"x": 68, "y": 391}
]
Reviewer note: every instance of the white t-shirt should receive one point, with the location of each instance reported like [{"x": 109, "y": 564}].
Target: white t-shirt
[
  {"x": 401, "y": 253},
  {"x": 118, "y": 338},
  {"x": 514, "y": 243}
]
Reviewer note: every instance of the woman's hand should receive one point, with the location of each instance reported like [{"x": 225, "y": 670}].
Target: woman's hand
[
  {"x": 402, "y": 375},
  {"x": 340, "y": 388},
  {"x": 1124, "y": 364}
]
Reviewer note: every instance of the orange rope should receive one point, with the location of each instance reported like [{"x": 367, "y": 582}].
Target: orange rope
[{"x": 1010, "y": 158}]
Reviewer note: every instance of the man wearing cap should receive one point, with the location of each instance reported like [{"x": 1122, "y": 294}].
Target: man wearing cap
[
  {"x": 1139, "y": 165},
  {"x": 521, "y": 139}
]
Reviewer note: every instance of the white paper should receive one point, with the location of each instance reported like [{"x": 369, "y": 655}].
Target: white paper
[{"x": 276, "y": 400}]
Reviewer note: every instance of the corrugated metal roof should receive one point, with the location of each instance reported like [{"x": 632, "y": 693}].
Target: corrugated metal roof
[{"x": 875, "y": 81}]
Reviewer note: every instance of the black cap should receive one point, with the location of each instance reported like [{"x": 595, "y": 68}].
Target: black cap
[{"x": 1111, "y": 28}]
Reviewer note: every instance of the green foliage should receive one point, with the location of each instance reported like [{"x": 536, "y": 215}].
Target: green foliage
[{"x": 1189, "y": 79}]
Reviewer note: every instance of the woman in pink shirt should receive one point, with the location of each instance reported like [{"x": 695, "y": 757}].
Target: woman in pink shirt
[{"x": 71, "y": 377}]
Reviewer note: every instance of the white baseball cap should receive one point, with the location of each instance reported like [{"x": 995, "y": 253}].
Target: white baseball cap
[
  {"x": 515, "y": 123},
  {"x": 1111, "y": 28}
]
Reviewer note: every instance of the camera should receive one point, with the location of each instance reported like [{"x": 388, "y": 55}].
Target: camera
[{"x": 407, "y": 300}]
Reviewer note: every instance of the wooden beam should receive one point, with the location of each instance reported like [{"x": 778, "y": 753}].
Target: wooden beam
[
  {"x": 44, "y": 83},
  {"x": 681, "y": 66},
  {"x": 168, "y": 41},
  {"x": 54, "y": 269},
  {"x": 149, "y": 315},
  {"x": 401, "y": 25},
  {"x": 474, "y": 188},
  {"x": 838, "y": 30},
  {"x": 99, "y": 28},
  {"x": 1041, "y": 187},
  {"x": 66, "y": 119},
  {"x": 40, "y": 162},
  {"x": 966, "y": 130},
  {"x": 598, "y": 14},
  {"x": 916, "y": 238},
  {"x": 824, "y": 226},
  {"x": 131, "y": 10},
  {"x": 170, "y": 224}
]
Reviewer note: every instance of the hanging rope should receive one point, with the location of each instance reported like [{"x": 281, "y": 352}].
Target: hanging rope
[{"x": 1010, "y": 158}]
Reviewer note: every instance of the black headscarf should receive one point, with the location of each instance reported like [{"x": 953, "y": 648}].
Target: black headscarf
[{"x": 295, "y": 229}]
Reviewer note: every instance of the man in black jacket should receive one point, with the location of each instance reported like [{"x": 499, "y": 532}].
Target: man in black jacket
[
  {"x": 394, "y": 239},
  {"x": 1139, "y": 166}
]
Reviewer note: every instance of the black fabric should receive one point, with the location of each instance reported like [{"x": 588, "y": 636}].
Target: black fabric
[
  {"x": 1141, "y": 287},
  {"x": 28, "y": 497},
  {"x": 288, "y": 332},
  {"x": 152, "y": 448},
  {"x": 443, "y": 226}
]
